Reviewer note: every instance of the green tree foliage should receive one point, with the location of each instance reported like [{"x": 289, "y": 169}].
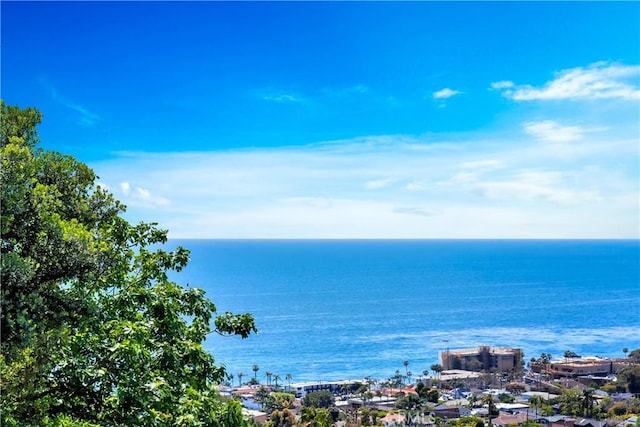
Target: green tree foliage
[
  {"x": 282, "y": 400},
  {"x": 635, "y": 355},
  {"x": 487, "y": 399},
  {"x": 536, "y": 401},
  {"x": 410, "y": 402},
  {"x": 571, "y": 403},
  {"x": 627, "y": 407},
  {"x": 316, "y": 417},
  {"x": 437, "y": 368},
  {"x": 264, "y": 398},
  {"x": 368, "y": 416},
  {"x": 93, "y": 330},
  {"x": 433, "y": 395},
  {"x": 588, "y": 401},
  {"x": 571, "y": 355},
  {"x": 469, "y": 421},
  {"x": 318, "y": 399},
  {"x": 631, "y": 375},
  {"x": 506, "y": 398},
  {"x": 282, "y": 418},
  {"x": 429, "y": 394}
]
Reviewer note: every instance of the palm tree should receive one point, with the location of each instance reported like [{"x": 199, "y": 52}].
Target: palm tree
[
  {"x": 277, "y": 377},
  {"x": 536, "y": 401},
  {"x": 268, "y": 375},
  {"x": 255, "y": 369},
  {"x": 487, "y": 399},
  {"x": 288, "y": 378},
  {"x": 437, "y": 368},
  {"x": 396, "y": 379},
  {"x": 587, "y": 402},
  {"x": 240, "y": 375},
  {"x": 406, "y": 366},
  {"x": 625, "y": 350}
]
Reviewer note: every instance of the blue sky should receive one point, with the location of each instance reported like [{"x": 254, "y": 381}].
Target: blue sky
[{"x": 343, "y": 119}]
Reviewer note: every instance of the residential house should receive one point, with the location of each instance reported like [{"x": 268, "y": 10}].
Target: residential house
[
  {"x": 506, "y": 419},
  {"x": 451, "y": 412},
  {"x": 588, "y": 422},
  {"x": 392, "y": 420}
]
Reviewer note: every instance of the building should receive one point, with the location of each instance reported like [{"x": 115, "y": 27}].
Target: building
[
  {"x": 467, "y": 379},
  {"x": 583, "y": 366},
  {"x": 392, "y": 420},
  {"x": 301, "y": 389},
  {"x": 451, "y": 412},
  {"x": 483, "y": 358},
  {"x": 505, "y": 419}
]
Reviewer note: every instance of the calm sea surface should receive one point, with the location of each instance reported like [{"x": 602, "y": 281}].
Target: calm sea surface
[{"x": 335, "y": 309}]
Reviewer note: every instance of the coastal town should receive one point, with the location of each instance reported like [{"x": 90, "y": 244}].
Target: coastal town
[{"x": 476, "y": 387}]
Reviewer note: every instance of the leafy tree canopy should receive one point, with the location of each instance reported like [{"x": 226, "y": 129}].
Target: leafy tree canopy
[
  {"x": 469, "y": 421},
  {"x": 318, "y": 399},
  {"x": 635, "y": 354},
  {"x": 631, "y": 375},
  {"x": 93, "y": 330}
]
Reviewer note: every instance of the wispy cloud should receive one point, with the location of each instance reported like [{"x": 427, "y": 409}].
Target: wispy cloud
[
  {"x": 138, "y": 196},
  {"x": 345, "y": 92},
  {"x": 555, "y": 173},
  {"x": 523, "y": 189},
  {"x": 600, "y": 80},
  {"x": 552, "y": 131},
  {"x": 84, "y": 116},
  {"x": 360, "y": 88},
  {"x": 378, "y": 183},
  {"x": 389, "y": 186},
  {"x": 421, "y": 211},
  {"x": 503, "y": 84},
  {"x": 445, "y": 93},
  {"x": 280, "y": 97},
  {"x": 276, "y": 95}
]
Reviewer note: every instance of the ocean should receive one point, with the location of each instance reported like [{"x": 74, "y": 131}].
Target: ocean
[{"x": 347, "y": 309}]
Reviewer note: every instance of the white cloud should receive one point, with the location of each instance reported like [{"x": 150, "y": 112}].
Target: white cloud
[
  {"x": 378, "y": 183},
  {"x": 280, "y": 97},
  {"x": 389, "y": 186},
  {"x": 125, "y": 187},
  {"x": 445, "y": 93},
  {"x": 597, "y": 81},
  {"x": 459, "y": 178},
  {"x": 139, "y": 196},
  {"x": 483, "y": 165},
  {"x": 522, "y": 190},
  {"x": 417, "y": 185},
  {"x": 552, "y": 131},
  {"x": 418, "y": 211},
  {"x": 503, "y": 84}
]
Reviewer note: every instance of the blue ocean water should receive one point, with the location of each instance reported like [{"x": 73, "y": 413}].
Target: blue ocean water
[{"x": 336, "y": 309}]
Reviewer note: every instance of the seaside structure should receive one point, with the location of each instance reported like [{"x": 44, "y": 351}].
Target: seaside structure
[
  {"x": 301, "y": 389},
  {"x": 468, "y": 379},
  {"x": 483, "y": 358},
  {"x": 580, "y": 367}
]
